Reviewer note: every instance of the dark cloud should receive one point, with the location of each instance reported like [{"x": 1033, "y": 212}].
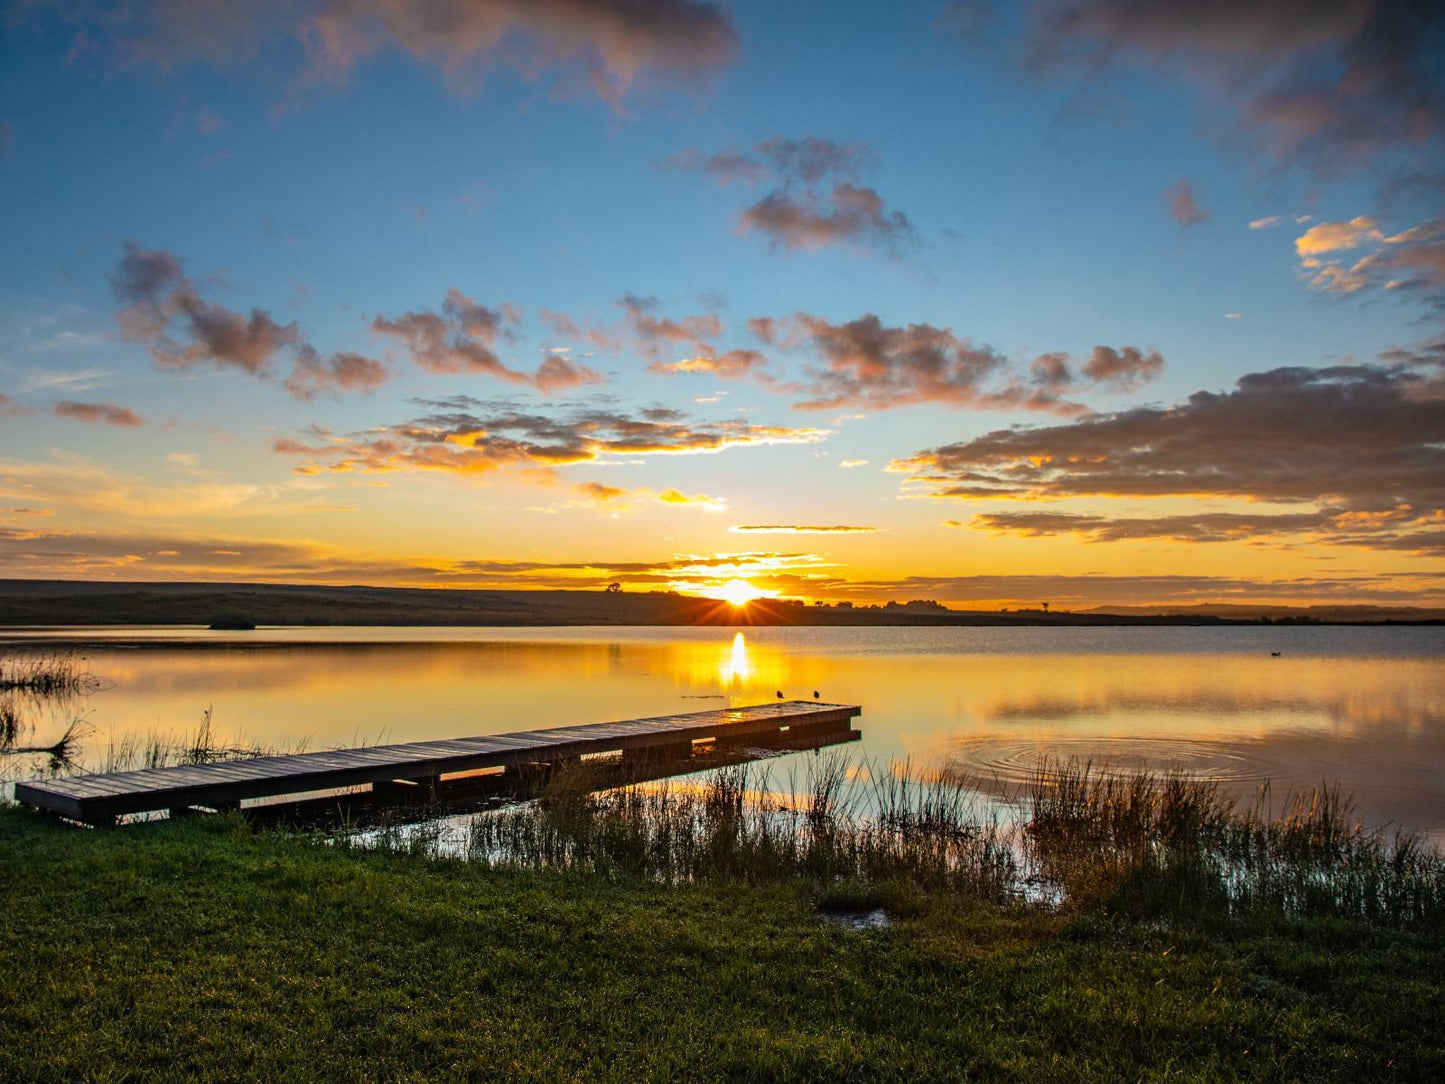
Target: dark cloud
[
  {"x": 801, "y": 210},
  {"x": 465, "y": 435},
  {"x": 608, "y": 43},
  {"x": 808, "y": 219},
  {"x": 1363, "y": 444},
  {"x": 457, "y": 339},
  {"x": 314, "y": 374},
  {"x": 557, "y": 373},
  {"x": 460, "y": 337},
  {"x": 163, "y": 310},
  {"x": 1183, "y": 206},
  {"x": 1123, "y": 370},
  {"x": 1331, "y": 83},
  {"x": 9, "y": 408},
  {"x": 108, "y": 413},
  {"x": 1076, "y": 591},
  {"x": 870, "y": 364},
  {"x": 654, "y": 332}
]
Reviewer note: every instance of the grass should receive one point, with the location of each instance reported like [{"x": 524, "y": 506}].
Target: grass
[{"x": 201, "y": 950}]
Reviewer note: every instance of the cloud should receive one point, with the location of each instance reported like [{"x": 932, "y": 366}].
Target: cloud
[
  {"x": 1183, "y": 207},
  {"x": 1334, "y": 236},
  {"x": 799, "y": 529},
  {"x": 794, "y": 220},
  {"x": 1202, "y": 527},
  {"x": 459, "y": 338},
  {"x": 729, "y": 365},
  {"x": 1075, "y": 591},
  {"x": 557, "y": 373},
  {"x": 596, "y": 491},
  {"x": 1265, "y": 223},
  {"x": 608, "y": 44},
  {"x": 314, "y": 374},
  {"x": 726, "y": 166},
  {"x": 108, "y": 413},
  {"x": 848, "y": 464},
  {"x": 157, "y": 296},
  {"x": 697, "y": 500},
  {"x": 163, "y": 310},
  {"x": 815, "y": 200},
  {"x": 1409, "y": 262},
  {"x": 465, "y": 435},
  {"x": 1330, "y": 85},
  {"x": 9, "y": 408},
  {"x": 1364, "y": 445},
  {"x": 1125, "y": 369},
  {"x": 655, "y": 332},
  {"x": 870, "y": 364}
]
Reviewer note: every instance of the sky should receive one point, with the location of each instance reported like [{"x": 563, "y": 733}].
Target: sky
[{"x": 1100, "y": 304}]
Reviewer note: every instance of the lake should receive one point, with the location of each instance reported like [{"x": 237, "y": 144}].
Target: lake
[{"x": 1361, "y": 706}]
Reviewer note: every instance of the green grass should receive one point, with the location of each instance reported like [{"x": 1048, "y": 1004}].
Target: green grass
[{"x": 199, "y": 950}]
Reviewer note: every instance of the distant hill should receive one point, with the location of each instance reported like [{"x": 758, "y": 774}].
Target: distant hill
[{"x": 75, "y": 602}]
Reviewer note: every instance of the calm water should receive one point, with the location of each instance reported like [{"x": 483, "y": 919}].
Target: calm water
[{"x": 1364, "y": 707}]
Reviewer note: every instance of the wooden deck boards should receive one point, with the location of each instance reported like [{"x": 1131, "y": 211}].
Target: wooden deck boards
[{"x": 101, "y": 798}]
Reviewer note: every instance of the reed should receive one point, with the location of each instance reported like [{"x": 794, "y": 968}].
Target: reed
[
  {"x": 45, "y": 675},
  {"x": 1156, "y": 845},
  {"x": 1164, "y": 844},
  {"x": 737, "y": 826}
]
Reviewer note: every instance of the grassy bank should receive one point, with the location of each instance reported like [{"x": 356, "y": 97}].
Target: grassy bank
[{"x": 197, "y": 949}]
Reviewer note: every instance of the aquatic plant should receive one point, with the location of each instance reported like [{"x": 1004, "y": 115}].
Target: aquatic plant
[
  {"x": 45, "y": 675},
  {"x": 1085, "y": 839}
]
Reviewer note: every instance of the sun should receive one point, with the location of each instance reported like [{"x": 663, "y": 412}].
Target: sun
[{"x": 739, "y": 592}]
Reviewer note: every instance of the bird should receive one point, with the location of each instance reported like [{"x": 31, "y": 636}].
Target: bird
[
  {"x": 1275, "y": 654},
  {"x": 815, "y": 694},
  {"x": 780, "y": 694}
]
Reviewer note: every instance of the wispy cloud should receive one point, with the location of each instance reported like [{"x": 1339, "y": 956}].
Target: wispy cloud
[
  {"x": 466, "y": 435},
  {"x": 108, "y": 413},
  {"x": 789, "y": 528}
]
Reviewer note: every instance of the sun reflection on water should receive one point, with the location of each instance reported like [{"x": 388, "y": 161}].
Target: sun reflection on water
[{"x": 734, "y": 669}]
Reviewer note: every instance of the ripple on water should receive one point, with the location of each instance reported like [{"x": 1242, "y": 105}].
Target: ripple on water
[{"x": 1017, "y": 761}]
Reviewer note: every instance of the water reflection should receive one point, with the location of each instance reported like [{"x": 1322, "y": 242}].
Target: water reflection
[{"x": 985, "y": 703}]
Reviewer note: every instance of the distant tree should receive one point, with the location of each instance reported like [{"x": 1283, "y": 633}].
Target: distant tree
[
  {"x": 845, "y": 605},
  {"x": 614, "y": 588},
  {"x": 1046, "y": 607}
]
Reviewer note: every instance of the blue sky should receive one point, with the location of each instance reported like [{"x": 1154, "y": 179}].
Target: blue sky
[{"x": 1031, "y": 212}]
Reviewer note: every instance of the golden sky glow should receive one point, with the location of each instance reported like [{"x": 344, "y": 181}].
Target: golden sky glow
[{"x": 487, "y": 300}]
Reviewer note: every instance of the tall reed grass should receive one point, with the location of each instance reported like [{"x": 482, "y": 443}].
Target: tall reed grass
[
  {"x": 1163, "y": 845},
  {"x": 45, "y": 675}
]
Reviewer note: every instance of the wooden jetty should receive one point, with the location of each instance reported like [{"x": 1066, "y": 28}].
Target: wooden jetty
[{"x": 100, "y": 799}]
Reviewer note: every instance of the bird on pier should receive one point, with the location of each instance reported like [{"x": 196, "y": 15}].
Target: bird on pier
[
  {"x": 815, "y": 694},
  {"x": 780, "y": 694}
]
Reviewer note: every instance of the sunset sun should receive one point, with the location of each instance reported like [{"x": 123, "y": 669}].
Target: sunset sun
[{"x": 739, "y": 592}]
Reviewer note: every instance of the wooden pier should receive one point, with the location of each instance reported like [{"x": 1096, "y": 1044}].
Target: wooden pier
[{"x": 100, "y": 799}]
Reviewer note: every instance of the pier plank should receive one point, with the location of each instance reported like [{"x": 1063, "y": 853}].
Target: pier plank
[{"x": 102, "y": 798}]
